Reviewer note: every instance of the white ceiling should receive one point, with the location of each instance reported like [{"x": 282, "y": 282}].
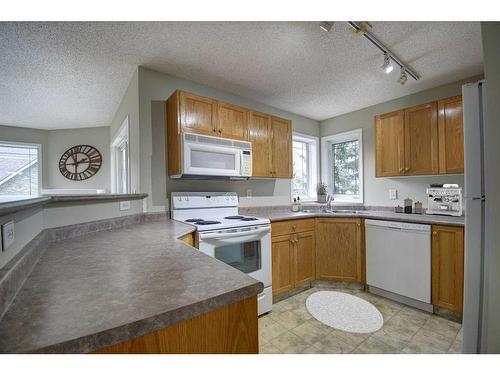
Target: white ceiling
[{"x": 67, "y": 75}]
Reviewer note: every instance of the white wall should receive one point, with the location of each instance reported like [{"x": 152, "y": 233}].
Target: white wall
[
  {"x": 60, "y": 214},
  {"x": 58, "y": 141},
  {"x": 129, "y": 106},
  {"x": 154, "y": 90},
  {"x": 27, "y": 225},
  {"x": 376, "y": 190}
]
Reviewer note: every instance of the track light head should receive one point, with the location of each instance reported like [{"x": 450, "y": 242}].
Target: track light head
[
  {"x": 326, "y": 25},
  {"x": 387, "y": 65},
  {"x": 403, "y": 77}
]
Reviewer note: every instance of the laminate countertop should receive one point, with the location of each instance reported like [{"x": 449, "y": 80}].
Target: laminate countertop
[
  {"x": 280, "y": 215},
  {"x": 97, "y": 290},
  {"x": 11, "y": 204}
]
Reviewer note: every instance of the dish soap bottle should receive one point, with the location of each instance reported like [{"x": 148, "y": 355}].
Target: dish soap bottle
[{"x": 295, "y": 205}]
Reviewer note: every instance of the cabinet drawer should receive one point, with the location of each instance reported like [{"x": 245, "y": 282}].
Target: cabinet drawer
[{"x": 292, "y": 226}]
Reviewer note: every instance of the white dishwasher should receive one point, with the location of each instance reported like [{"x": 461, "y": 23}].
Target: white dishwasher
[{"x": 398, "y": 258}]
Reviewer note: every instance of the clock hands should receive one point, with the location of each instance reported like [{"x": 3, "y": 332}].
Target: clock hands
[
  {"x": 79, "y": 162},
  {"x": 76, "y": 162}
]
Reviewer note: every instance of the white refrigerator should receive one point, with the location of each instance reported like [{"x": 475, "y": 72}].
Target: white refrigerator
[{"x": 475, "y": 201}]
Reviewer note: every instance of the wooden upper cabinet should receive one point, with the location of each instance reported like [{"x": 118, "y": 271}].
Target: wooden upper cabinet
[
  {"x": 421, "y": 140},
  {"x": 197, "y": 114},
  {"x": 259, "y": 133},
  {"x": 389, "y": 143},
  {"x": 271, "y": 136},
  {"x": 271, "y": 139},
  {"x": 339, "y": 249},
  {"x": 451, "y": 135},
  {"x": 448, "y": 267},
  {"x": 232, "y": 121},
  {"x": 305, "y": 258},
  {"x": 281, "y": 147}
]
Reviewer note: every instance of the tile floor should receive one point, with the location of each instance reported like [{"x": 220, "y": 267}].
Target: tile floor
[{"x": 289, "y": 328}]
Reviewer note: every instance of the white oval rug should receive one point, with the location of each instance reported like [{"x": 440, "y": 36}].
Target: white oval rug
[{"x": 344, "y": 311}]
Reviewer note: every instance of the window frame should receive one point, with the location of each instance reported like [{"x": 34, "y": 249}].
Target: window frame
[
  {"x": 120, "y": 140},
  {"x": 327, "y": 163},
  {"x": 38, "y": 146},
  {"x": 314, "y": 162}
]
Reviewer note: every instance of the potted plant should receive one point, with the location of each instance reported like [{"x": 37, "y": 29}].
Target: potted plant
[{"x": 322, "y": 192}]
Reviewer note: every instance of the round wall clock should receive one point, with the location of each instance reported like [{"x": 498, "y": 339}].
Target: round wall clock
[{"x": 80, "y": 162}]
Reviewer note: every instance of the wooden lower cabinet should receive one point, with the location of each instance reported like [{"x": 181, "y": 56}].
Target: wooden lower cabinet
[
  {"x": 339, "y": 249},
  {"x": 283, "y": 268},
  {"x": 189, "y": 239},
  {"x": 230, "y": 329},
  {"x": 448, "y": 267},
  {"x": 293, "y": 254},
  {"x": 305, "y": 258}
]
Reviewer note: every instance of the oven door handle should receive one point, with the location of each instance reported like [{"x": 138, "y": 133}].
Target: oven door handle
[{"x": 220, "y": 236}]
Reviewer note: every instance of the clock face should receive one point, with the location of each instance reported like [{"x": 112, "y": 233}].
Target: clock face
[{"x": 80, "y": 162}]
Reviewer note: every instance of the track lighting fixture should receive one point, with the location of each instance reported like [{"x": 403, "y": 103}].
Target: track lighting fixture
[
  {"x": 390, "y": 59},
  {"x": 403, "y": 77},
  {"x": 387, "y": 66},
  {"x": 326, "y": 25}
]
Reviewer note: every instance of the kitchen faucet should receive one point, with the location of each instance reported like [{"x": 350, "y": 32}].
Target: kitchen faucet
[
  {"x": 328, "y": 206},
  {"x": 329, "y": 202}
]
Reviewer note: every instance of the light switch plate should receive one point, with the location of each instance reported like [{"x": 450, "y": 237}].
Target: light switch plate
[
  {"x": 393, "y": 194},
  {"x": 8, "y": 235},
  {"x": 124, "y": 205},
  {"x": 249, "y": 193}
]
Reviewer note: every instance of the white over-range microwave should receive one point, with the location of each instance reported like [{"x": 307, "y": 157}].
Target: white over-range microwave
[{"x": 202, "y": 155}]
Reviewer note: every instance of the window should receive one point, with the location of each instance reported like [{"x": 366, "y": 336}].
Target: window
[
  {"x": 342, "y": 160},
  {"x": 305, "y": 166},
  {"x": 120, "y": 164},
  {"x": 20, "y": 171}
]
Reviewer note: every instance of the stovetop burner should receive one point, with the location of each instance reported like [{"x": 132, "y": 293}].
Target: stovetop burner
[
  {"x": 207, "y": 222},
  {"x": 235, "y": 217},
  {"x": 249, "y": 219},
  {"x": 193, "y": 220}
]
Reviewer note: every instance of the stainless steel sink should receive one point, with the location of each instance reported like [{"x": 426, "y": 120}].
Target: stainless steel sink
[{"x": 326, "y": 211}]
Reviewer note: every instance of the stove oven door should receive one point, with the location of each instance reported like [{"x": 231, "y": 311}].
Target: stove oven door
[{"x": 247, "y": 249}]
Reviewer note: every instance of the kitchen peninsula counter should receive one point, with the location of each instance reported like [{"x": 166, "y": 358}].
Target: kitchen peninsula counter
[{"x": 102, "y": 289}]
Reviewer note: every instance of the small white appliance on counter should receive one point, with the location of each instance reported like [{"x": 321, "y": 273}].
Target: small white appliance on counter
[
  {"x": 204, "y": 156},
  {"x": 444, "y": 200},
  {"x": 242, "y": 242},
  {"x": 398, "y": 261}
]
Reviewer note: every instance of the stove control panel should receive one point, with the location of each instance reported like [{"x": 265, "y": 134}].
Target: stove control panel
[{"x": 203, "y": 200}]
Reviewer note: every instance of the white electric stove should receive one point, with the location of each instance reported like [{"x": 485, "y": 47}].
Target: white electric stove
[{"x": 243, "y": 242}]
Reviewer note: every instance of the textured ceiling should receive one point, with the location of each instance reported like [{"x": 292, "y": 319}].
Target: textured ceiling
[{"x": 64, "y": 75}]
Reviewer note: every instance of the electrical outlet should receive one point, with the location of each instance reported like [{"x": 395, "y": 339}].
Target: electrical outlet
[
  {"x": 124, "y": 205},
  {"x": 249, "y": 193},
  {"x": 393, "y": 194},
  {"x": 8, "y": 235}
]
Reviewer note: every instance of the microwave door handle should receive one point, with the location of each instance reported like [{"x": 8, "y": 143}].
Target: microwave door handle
[{"x": 204, "y": 236}]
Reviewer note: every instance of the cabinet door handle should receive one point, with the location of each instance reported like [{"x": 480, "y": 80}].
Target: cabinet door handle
[
  {"x": 220, "y": 131},
  {"x": 407, "y": 169},
  {"x": 434, "y": 233},
  {"x": 401, "y": 169}
]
